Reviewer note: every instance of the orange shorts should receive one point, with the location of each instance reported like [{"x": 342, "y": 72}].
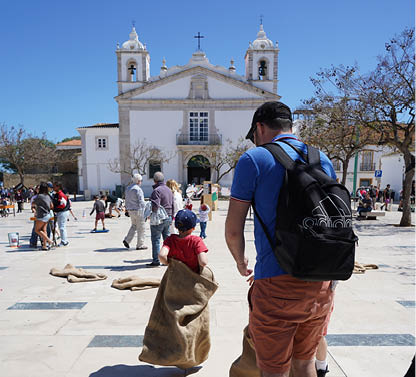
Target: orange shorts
[{"x": 287, "y": 319}]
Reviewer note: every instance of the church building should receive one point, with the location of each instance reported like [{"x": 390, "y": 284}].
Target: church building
[{"x": 182, "y": 112}]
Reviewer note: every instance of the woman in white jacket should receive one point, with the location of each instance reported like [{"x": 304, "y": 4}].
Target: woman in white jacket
[{"x": 177, "y": 200}]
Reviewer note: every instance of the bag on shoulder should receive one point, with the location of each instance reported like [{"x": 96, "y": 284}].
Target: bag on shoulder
[{"x": 314, "y": 240}]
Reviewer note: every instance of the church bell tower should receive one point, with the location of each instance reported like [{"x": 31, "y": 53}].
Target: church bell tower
[
  {"x": 133, "y": 64},
  {"x": 261, "y": 62}
]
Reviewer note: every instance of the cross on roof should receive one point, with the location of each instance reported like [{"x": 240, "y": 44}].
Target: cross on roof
[
  {"x": 261, "y": 19},
  {"x": 199, "y": 36}
]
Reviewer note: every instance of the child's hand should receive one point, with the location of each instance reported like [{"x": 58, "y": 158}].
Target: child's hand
[{"x": 250, "y": 280}]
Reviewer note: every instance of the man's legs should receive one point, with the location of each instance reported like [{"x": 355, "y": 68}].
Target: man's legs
[
  {"x": 62, "y": 218},
  {"x": 34, "y": 237},
  {"x": 133, "y": 228},
  {"x": 140, "y": 231},
  {"x": 285, "y": 332},
  {"x": 155, "y": 232}
]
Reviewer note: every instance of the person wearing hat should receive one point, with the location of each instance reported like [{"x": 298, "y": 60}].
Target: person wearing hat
[
  {"x": 135, "y": 205},
  {"x": 285, "y": 336},
  {"x": 185, "y": 247}
]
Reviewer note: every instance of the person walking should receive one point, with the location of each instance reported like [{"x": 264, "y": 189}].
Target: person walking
[
  {"x": 177, "y": 200},
  {"x": 203, "y": 217},
  {"x": 386, "y": 198},
  {"x": 61, "y": 209},
  {"x": 135, "y": 206},
  {"x": 18, "y": 197},
  {"x": 287, "y": 315},
  {"x": 43, "y": 205},
  {"x": 161, "y": 197}
]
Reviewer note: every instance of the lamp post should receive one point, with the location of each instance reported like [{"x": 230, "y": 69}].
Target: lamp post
[{"x": 354, "y": 184}]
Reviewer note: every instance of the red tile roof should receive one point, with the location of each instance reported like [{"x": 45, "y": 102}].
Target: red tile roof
[{"x": 70, "y": 143}]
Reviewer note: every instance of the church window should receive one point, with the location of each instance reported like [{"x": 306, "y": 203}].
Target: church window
[
  {"x": 154, "y": 166},
  {"x": 101, "y": 143},
  {"x": 262, "y": 70},
  {"x": 198, "y": 127},
  {"x": 132, "y": 71}
]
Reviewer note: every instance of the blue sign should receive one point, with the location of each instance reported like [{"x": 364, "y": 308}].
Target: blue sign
[{"x": 378, "y": 173}]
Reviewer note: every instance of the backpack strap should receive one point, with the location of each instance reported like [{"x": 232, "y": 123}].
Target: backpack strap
[
  {"x": 280, "y": 155},
  {"x": 297, "y": 150},
  {"x": 314, "y": 156}
]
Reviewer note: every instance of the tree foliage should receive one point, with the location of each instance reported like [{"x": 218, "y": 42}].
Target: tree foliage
[
  {"x": 223, "y": 158},
  {"x": 23, "y": 152},
  {"x": 332, "y": 129},
  {"x": 70, "y": 138},
  {"x": 139, "y": 156},
  {"x": 383, "y": 101}
]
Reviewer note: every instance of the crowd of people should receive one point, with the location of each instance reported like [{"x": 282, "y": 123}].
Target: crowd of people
[{"x": 162, "y": 210}]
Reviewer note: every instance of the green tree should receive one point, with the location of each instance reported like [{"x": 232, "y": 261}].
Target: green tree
[
  {"x": 384, "y": 102},
  {"x": 22, "y": 152}
]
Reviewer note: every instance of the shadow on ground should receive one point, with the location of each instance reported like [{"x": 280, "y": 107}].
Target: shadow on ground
[
  {"x": 112, "y": 250},
  {"x": 142, "y": 371}
]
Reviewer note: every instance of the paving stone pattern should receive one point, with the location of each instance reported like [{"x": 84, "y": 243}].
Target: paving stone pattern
[{"x": 50, "y": 327}]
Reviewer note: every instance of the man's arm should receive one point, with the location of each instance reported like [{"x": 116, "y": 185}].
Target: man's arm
[
  {"x": 234, "y": 233},
  {"x": 155, "y": 199}
]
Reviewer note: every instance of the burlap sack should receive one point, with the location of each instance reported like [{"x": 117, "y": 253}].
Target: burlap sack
[
  {"x": 76, "y": 275},
  {"x": 135, "y": 283},
  {"x": 245, "y": 365},
  {"x": 178, "y": 330}
]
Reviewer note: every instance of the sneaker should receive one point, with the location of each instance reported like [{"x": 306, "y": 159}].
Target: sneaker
[
  {"x": 126, "y": 244},
  {"x": 141, "y": 248},
  {"x": 153, "y": 264},
  {"x": 321, "y": 372},
  {"x": 64, "y": 243}
]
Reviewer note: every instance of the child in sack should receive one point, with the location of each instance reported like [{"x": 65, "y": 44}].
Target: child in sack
[
  {"x": 99, "y": 208},
  {"x": 185, "y": 247}
]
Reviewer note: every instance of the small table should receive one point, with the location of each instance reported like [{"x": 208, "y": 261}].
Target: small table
[{"x": 8, "y": 206}]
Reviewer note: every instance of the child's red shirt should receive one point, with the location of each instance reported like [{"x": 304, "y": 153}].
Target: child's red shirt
[{"x": 185, "y": 249}]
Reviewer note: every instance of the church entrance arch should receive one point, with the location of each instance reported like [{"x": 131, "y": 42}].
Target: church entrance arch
[{"x": 199, "y": 169}]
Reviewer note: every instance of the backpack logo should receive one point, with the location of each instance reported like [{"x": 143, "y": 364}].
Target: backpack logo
[{"x": 329, "y": 215}]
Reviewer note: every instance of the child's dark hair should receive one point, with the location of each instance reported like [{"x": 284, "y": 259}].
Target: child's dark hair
[
  {"x": 95, "y": 197},
  {"x": 43, "y": 188},
  {"x": 103, "y": 196}
]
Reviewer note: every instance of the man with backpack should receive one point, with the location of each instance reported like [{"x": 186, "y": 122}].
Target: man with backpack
[{"x": 303, "y": 240}]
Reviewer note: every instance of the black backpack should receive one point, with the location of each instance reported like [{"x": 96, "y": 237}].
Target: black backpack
[{"x": 314, "y": 240}]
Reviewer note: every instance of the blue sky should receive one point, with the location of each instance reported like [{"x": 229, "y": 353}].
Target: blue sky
[{"x": 58, "y": 63}]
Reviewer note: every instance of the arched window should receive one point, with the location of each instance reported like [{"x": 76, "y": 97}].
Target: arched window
[
  {"x": 263, "y": 69},
  {"x": 131, "y": 71}
]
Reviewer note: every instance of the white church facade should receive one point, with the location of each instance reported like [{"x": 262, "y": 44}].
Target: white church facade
[{"x": 182, "y": 112}]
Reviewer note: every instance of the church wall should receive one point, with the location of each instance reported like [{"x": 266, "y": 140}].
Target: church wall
[
  {"x": 175, "y": 89},
  {"x": 232, "y": 125},
  {"x": 159, "y": 128},
  {"x": 222, "y": 90}
]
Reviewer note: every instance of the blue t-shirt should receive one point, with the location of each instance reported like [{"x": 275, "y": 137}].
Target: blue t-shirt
[{"x": 258, "y": 175}]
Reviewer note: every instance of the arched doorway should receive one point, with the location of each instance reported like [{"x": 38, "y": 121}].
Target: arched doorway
[{"x": 198, "y": 169}]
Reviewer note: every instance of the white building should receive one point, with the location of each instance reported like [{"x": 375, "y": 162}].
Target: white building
[{"x": 181, "y": 111}]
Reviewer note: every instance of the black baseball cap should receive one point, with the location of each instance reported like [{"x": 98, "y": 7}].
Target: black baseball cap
[{"x": 267, "y": 112}]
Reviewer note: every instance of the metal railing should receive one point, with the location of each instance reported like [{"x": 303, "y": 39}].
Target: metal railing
[
  {"x": 208, "y": 139},
  {"x": 367, "y": 166}
]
